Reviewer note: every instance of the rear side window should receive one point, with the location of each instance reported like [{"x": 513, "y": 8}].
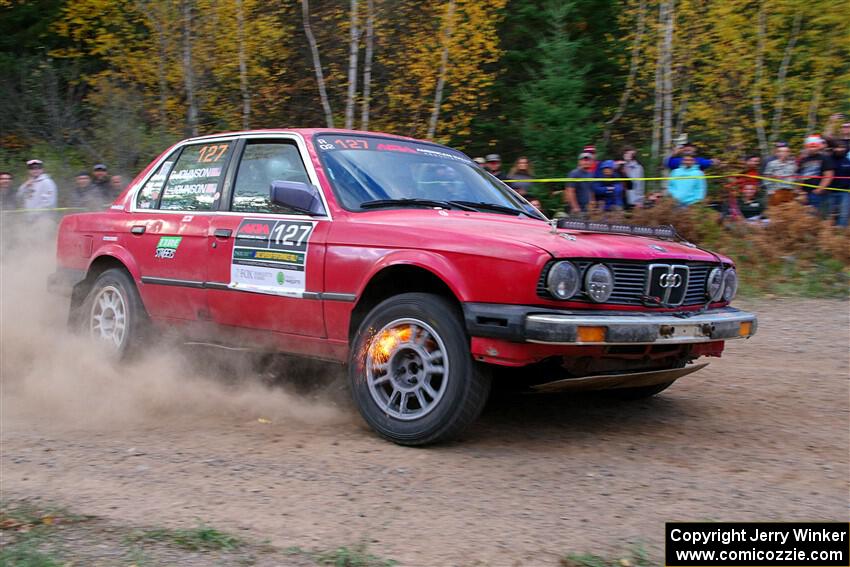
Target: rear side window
[
  {"x": 148, "y": 196},
  {"x": 262, "y": 163},
  {"x": 196, "y": 177}
]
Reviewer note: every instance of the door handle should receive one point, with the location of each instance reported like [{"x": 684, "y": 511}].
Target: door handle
[
  {"x": 222, "y": 233},
  {"x": 138, "y": 229}
]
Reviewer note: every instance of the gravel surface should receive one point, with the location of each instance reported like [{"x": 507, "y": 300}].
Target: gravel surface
[{"x": 761, "y": 434}]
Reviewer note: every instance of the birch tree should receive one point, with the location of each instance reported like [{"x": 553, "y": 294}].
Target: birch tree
[
  {"x": 353, "y": 53},
  {"x": 243, "y": 65},
  {"x": 367, "y": 64},
  {"x": 317, "y": 63},
  {"x": 441, "y": 76},
  {"x": 188, "y": 71}
]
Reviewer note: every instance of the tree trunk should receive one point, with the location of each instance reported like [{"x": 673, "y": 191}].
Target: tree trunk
[
  {"x": 353, "y": 52},
  {"x": 633, "y": 68},
  {"x": 444, "y": 65},
  {"x": 317, "y": 63},
  {"x": 667, "y": 75},
  {"x": 812, "y": 121},
  {"x": 367, "y": 64},
  {"x": 243, "y": 66},
  {"x": 778, "y": 106},
  {"x": 162, "y": 54},
  {"x": 758, "y": 115},
  {"x": 188, "y": 71},
  {"x": 658, "y": 106}
]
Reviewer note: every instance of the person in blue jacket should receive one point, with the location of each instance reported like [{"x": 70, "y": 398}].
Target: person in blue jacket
[
  {"x": 609, "y": 194},
  {"x": 687, "y": 184},
  {"x": 675, "y": 160}
]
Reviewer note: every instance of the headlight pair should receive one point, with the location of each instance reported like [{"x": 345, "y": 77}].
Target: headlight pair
[
  {"x": 564, "y": 281},
  {"x": 722, "y": 284}
]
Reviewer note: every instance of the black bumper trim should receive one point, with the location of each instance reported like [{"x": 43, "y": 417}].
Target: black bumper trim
[{"x": 64, "y": 280}]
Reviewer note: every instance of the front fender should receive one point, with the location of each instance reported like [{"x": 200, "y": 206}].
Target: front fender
[{"x": 429, "y": 261}]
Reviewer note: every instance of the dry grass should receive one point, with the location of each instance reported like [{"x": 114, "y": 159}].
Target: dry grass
[{"x": 795, "y": 253}]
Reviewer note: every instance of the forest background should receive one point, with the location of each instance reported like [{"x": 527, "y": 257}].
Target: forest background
[{"x": 117, "y": 81}]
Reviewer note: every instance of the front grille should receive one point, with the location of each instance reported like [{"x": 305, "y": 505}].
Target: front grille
[{"x": 630, "y": 280}]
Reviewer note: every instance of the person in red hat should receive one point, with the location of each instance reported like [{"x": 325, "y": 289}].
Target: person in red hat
[{"x": 591, "y": 149}]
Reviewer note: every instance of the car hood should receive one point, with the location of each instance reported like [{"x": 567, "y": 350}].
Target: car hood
[{"x": 439, "y": 229}]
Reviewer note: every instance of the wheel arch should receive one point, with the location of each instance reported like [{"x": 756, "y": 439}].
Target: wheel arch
[
  {"x": 395, "y": 279},
  {"x": 97, "y": 266}
]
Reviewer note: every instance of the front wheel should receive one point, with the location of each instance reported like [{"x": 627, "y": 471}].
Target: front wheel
[
  {"x": 113, "y": 314},
  {"x": 411, "y": 373}
]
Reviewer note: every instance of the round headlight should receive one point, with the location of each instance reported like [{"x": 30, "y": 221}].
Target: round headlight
[
  {"x": 730, "y": 284},
  {"x": 714, "y": 284},
  {"x": 563, "y": 280},
  {"x": 599, "y": 283}
]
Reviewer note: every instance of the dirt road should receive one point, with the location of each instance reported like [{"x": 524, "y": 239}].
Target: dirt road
[{"x": 762, "y": 434}]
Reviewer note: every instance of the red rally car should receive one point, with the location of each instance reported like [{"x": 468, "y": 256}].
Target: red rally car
[{"x": 399, "y": 257}]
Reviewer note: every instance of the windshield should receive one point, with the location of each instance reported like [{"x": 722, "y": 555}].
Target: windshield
[{"x": 368, "y": 170}]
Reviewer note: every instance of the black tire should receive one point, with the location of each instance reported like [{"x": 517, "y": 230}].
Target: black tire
[
  {"x": 117, "y": 283},
  {"x": 638, "y": 393},
  {"x": 462, "y": 389}
]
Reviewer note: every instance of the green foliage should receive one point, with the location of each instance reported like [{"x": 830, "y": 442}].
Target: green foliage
[
  {"x": 638, "y": 557},
  {"x": 352, "y": 557},
  {"x": 25, "y": 553},
  {"x": 556, "y": 121},
  {"x": 201, "y": 538}
]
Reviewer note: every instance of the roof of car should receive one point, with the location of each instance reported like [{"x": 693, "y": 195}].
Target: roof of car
[{"x": 309, "y": 132}]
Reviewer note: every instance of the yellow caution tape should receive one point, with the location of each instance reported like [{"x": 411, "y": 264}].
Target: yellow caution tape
[{"x": 591, "y": 179}]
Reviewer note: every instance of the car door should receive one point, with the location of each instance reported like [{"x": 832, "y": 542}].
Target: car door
[
  {"x": 266, "y": 262},
  {"x": 170, "y": 228}
]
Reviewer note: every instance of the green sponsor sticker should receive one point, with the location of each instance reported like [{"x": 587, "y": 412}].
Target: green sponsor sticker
[
  {"x": 280, "y": 278},
  {"x": 169, "y": 242}
]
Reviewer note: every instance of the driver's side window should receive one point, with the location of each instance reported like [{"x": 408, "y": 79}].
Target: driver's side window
[{"x": 263, "y": 162}]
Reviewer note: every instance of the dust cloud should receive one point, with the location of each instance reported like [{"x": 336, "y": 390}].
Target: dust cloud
[{"x": 53, "y": 377}]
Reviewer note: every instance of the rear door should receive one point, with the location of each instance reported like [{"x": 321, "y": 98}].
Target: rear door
[
  {"x": 266, "y": 262},
  {"x": 170, "y": 229}
]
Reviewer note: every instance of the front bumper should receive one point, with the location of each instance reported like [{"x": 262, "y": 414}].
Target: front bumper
[{"x": 520, "y": 323}]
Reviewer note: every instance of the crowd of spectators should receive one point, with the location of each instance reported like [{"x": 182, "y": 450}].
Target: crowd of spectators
[
  {"x": 38, "y": 192},
  {"x": 819, "y": 176}
]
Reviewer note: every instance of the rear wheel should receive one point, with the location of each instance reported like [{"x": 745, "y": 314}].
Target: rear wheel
[
  {"x": 411, "y": 373},
  {"x": 113, "y": 314}
]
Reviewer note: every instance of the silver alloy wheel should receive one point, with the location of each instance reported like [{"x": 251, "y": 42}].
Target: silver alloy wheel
[
  {"x": 407, "y": 369},
  {"x": 109, "y": 316}
]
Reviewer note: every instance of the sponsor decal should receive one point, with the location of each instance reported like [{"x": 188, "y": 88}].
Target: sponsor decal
[
  {"x": 270, "y": 256},
  {"x": 187, "y": 174},
  {"x": 167, "y": 246}
]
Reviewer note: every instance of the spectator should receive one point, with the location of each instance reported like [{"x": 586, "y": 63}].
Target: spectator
[
  {"x": 675, "y": 159},
  {"x": 781, "y": 166},
  {"x": 608, "y": 193},
  {"x": 116, "y": 185},
  {"x": 100, "y": 178},
  {"x": 841, "y": 199},
  {"x": 843, "y": 137},
  {"x": 747, "y": 205},
  {"x": 687, "y": 185},
  {"x": 736, "y": 185},
  {"x": 536, "y": 204},
  {"x": 817, "y": 169},
  {"x": 480, "y": 161},
  {"x": 590, "y": 149},
  {"x": 521, "y": 170},
  {"x": 7, "y": 195},
  {"x": 39, "y": 191},
  {"x": 632, "y": 168},
  {"x": 494, "y": 166},
  {"x": 85, "y": 194},
  {"x": 579, "y": 194}
]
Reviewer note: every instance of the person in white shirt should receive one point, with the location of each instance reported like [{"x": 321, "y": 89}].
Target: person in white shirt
[{"x": 39, "y": 191}]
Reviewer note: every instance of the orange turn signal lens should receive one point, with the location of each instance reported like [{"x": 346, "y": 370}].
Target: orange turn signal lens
[
  {"x": 591, "y": 334},
  {"x": 746, "y": 329}
]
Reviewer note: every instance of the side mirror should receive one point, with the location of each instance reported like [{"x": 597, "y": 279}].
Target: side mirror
[{"x": 296, "y": 195}]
